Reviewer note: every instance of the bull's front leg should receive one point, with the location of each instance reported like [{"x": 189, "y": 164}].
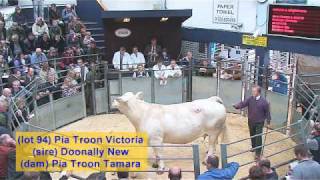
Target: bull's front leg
[
  {"x": 213, "y": 140},
  {"x": 159, "y": 161},
  {"x": 157, "y": 143},
  {"x": 212, "y": 144}
]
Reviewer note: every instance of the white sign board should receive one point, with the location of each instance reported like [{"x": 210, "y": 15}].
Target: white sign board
[
  {"x": 225, "y": 11},
  {"x": 122, "y": 32}
]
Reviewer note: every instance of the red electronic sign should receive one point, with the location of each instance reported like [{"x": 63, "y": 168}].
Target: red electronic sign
[{"x": 291, "y": 20}]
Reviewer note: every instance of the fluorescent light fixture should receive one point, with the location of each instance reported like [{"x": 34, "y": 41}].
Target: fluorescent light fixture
[
  {"x": 164, "y": 19},
  {"x": 126, "y": 20}
]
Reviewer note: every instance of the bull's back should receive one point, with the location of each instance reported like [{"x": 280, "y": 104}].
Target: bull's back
[{"x": 186, "y": 122}]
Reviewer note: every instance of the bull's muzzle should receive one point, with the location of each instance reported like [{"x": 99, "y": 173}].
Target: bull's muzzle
[{"x": 115, "y": 104}]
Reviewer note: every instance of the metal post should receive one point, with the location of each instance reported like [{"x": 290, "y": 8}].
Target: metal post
[
  {"x": 120, "y": 83},
  {"x": 190, "y": 69},
  {"x": 83, "y": 100},
  {"x": 257, "y": 67},
  {"x": 302, "y": 133},
  {"x": 183, "y": 87},
  {"x": 55, "y": 64},
  {"x": 106, "y": 86},
  {"x": 196, "y": 160},
  {"x": 93, "y": 90},
  {"x": 218, "y": 76},
  {"x": 52, "y": 111},
  {"x": 224, "y": 155},
  {"x": 153, "y": 98},
  {"x": 35, "y": 111},
  {"x": 244, "y": 81}
]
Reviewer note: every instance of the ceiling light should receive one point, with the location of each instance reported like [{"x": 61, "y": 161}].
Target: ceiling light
[
  {"x": 164, "y": 19},
  {"x": 126, "y": 20}
]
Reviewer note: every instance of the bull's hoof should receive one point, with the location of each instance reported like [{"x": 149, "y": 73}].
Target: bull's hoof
[
  {"x": 160, "y": 172},
  {"x": 133, "y": 175},
  {"x": 154, "y": 165}
]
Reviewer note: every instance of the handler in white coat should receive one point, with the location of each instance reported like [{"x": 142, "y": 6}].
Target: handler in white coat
[
  {"x": 121, "y": 59},
  {"x": 137, "y": 58},
  {"x": 160, "y": 72},
  {"x": 173, "y": 70}
]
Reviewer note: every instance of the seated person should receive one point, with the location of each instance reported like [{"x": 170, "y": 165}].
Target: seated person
[
  {"x": 7, "y": 145},
  {"x": 44, "y": 42},
  {"x": 206, "y": 69},
  {"x": 173, "y": 70},
  {"x": 279, "y": 83},
  {"x": 81, "y": 69},
  {"x": 152, "y": 52},
  {"x": 306, "y": 167},
  {"x": 68, "y": 89},
  {"x": 40, "y": 27},
  {"x": 87, "y": 39},
  {"x": 165, "y": 57},
  {"x": 187, "y": 60},
  {"x": 49, "y": 87},
  {"x": 140, "y": 72},
  {"x": 256, "y": 173},
  {"x": 214, "y": 172},
  {"x": 226, "y": 74},
  {"x": 16, "y": 76},
  {"x": 313, "y": 142},
  {"x": 160, "y": 72},
  {"x": 97, "y": 176},
  {"x": 175, "y": 173},
  {"x": 121, "y": 59},
  {"x": 21, "y": 113},
  {"x": 16, "y": 46},
  {"x": 3, "y": 114},
  {"x": 37, "y": 58},
  {"x": 270, "y": 173},
  {"x": 137, "y": 57},
  {"x": 123, "y": 175}
]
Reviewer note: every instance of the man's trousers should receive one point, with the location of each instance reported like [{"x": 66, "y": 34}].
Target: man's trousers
[{"x": 254, "y": 129}]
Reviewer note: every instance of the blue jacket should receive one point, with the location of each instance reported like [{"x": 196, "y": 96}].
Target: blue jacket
[{"x": 227, "y": 173}]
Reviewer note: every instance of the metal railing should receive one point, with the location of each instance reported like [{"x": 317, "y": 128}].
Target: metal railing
[
  {"x": 298, "y": 129},
  {"x": 53, "y": 63},
  {"x": 103, "y": 78}
]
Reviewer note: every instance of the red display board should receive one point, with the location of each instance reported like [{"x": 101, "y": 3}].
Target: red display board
[{"x": 290, "y": 20}]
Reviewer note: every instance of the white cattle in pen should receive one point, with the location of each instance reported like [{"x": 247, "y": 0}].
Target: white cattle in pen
[{"x": 176, "y": 123}]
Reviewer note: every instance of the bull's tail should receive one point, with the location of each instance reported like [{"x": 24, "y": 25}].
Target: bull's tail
[{"x": 217, "y": 99}]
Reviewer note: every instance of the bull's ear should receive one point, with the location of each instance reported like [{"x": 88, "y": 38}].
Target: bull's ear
[
  {"x": 139, "y": 95},
  {"x": 121, "y": 99}
]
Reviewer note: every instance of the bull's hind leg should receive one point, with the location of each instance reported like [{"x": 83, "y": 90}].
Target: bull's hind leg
[
  {"x": 224, "y": 135},
  {"x": 213, "y": 140}
]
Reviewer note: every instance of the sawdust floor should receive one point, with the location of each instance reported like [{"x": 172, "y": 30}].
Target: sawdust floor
[{"x": 237, "y": 129}]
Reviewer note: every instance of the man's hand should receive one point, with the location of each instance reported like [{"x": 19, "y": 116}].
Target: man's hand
[{"x": 234, "y": 106}]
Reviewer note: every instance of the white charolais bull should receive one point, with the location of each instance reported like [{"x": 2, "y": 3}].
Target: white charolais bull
[{"x": 176, "y": 123}]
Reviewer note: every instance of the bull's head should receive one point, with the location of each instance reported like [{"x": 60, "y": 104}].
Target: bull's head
[{"x": 122, "y": 101}]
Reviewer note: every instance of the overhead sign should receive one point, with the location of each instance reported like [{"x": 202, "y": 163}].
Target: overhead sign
[
  {"x": 122, "y": 32},
  {"x": 291, "y": 20},
  {"x": 225, "y": 11},
  {"x": 261, "y": 41}
]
